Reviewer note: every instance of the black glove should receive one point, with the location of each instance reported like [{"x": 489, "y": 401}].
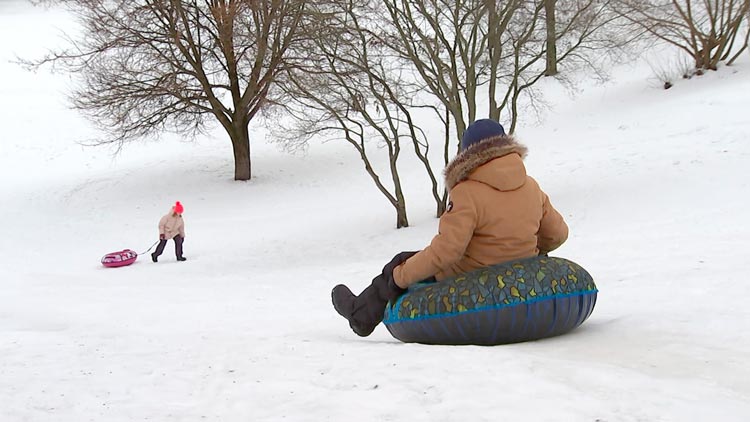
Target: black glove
[
  {"x": 395, "y": 262},
  {"x": 390, "y": 290}
]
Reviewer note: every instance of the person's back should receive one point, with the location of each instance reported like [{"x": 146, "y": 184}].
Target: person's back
[
  {"x": 172, "y": 224},
  {"x": 497, "y": 213}
]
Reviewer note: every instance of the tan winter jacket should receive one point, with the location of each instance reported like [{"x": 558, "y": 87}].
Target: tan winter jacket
[
  {"x": 496, "y": 213},
  {"x": 171, "y": 225}
]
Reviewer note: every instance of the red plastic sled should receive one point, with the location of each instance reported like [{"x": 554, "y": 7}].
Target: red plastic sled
[{"x": 119, "y": 259}]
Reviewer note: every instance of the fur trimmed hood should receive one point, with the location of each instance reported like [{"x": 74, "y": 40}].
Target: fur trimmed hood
[{"x": 468, "y": 161}]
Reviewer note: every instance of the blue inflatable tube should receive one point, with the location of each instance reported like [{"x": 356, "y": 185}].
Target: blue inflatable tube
[{"x": 516, "y": 301}]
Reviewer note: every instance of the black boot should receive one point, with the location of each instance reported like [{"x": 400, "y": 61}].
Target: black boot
[
  {"x": 178, "y": 248},
  {"x": 365, "y": 312}
]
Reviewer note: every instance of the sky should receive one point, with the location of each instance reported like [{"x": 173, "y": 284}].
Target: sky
[{"x": 652, "y": 183}]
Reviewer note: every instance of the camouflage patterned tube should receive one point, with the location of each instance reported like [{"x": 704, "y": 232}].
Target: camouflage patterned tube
[{"x": 512, "y": 302}]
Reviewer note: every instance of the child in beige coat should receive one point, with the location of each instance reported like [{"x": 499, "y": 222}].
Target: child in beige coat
[{"x": 171, "y": 226}]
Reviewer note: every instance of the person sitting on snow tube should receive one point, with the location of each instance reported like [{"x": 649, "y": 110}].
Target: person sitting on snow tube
[{"x": 496, "y": 213}]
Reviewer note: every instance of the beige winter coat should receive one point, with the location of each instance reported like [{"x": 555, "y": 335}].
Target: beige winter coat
[
  {"x": 496, "y": 213},
  {"x": 171, "y": 225}
]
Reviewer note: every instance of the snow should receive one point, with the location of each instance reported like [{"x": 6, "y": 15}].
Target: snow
[{"x": 653, "y": 184}]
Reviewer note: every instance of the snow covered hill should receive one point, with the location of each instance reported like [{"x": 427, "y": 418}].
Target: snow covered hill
[{"x": 653, "y": 184}]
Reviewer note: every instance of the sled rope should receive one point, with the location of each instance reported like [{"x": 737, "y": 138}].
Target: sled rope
[{"x": 149, "y": 248}]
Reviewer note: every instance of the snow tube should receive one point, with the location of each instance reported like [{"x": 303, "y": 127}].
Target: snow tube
[
  {"x": 511, "y": 302},
  {"x": 119, "y": 259}
]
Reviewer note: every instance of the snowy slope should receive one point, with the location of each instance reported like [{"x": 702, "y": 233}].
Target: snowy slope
[{"x": 652, "y": 182}]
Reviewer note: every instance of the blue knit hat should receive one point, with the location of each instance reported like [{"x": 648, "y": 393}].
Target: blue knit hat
[{"x": 481, "y": 130}]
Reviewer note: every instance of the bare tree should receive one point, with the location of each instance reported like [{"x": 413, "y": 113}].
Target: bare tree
[
  {"x": 370, "y": 80},
  {"x": 473, "y": 52},
  {"x": 583, "y": 35},
  {"x": 445, "y": 43},
  {"x": 351, "y": 88},
  {"x": 745, "y": 43},
  {"x": 550, "y": 21},
  {"x": 149, "y": 66},
  {"x": 706, "y": 30}
]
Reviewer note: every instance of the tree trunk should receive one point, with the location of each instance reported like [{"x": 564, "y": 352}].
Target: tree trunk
[
  {"x": 549, "y": 10},
  {"x": 241, "y": 147},
  {"x": 442, "y": 201},
  {"x": 442, "y": 205},
  {"x": 494, "y": 48},
  {"x": 401, "y": 218},
  {"x": 400, "y": 203}
]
